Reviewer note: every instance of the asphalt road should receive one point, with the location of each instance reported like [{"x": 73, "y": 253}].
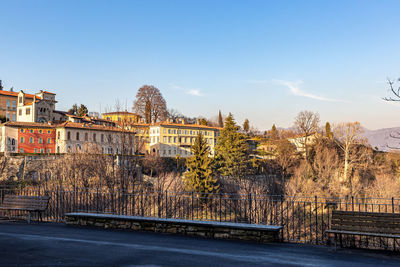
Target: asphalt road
[{"x": 59, "y": 245}]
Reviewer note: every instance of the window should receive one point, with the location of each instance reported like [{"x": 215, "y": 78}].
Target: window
[
  {"x": 41, "y": 150},
  {"x": 20, "y": 99},
  {"x": 31, "y": 131},
  {"x": 58, "y": 135},
  {"x": 174, "y": 139},
  {"x": 86, "y": 136},
  {"x": 169, "y": 139},
  {"x": 164, "y": 130},
  {"x": 169, "y": 131},
  {"x": 77, "y": 136},
  {"x": 40, "y": 141},
  {"x": 8, "y": 104},
  {"x": 94, "y": 137},
  {"x": 20, "y": 112},
  {"x": 22, "y": 130},
  {"x": 109, "y": 138},
  {"x": 164, "y": 139},
  {"x": 48, "y": 150},
  {"x": 40, "y": 131},
  {"x": 22, "y": 140},
  {"x": 31, "y": 140},
  {"x": 49, "y": 140},
  {"x": 49, "y": 132},
  {"x": 102, "y": 138},
  {"x": 21, "y": 150},
  {"x": 28, "y": 111},
  {"x": 14, "y": 103},
  {"x": 68, "y": 135},
  {"x": 36, "y": 150}
]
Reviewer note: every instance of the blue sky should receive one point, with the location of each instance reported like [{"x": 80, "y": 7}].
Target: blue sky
[{"x": 261, "y": 60}]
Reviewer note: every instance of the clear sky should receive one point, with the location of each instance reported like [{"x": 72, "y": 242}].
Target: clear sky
[{"x": 261, "y": 60}]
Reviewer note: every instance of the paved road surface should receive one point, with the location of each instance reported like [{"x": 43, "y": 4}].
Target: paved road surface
[{"x": 59, "y": 245}]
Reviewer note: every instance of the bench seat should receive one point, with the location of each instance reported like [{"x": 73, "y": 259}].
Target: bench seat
[{"x": 25, "y": 203}]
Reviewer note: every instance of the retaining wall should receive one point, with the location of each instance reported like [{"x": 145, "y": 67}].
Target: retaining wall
[{"x": 220, "y": 230}]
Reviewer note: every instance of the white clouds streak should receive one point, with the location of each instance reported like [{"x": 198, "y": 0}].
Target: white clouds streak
[
  {"x": 296, "y": 90},
  {"x": 188, "y": 91}
]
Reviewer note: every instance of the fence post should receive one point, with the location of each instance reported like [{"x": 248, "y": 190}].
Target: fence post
[
  {"x": 250, "y": 207},
  {"x": 166, "y": 203},
  {"x": 220, "y": 207},
  {"x": 316, "y": 220},
  {"x": 192, "y": 206},
  {"x": 392, "y": 204}
]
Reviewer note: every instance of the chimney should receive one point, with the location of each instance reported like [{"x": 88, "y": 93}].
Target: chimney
[{"x": 183, "y": 120}]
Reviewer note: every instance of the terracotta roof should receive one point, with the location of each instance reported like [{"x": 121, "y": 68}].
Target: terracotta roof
[
  {"x": 120, "y": 113},
  {"x": 28, "y": 124},
  {"x": 8, "y": 93},
  {"x": 163, "y": 123},
  {"x": 50, "y": 93},
  {"x": 90, "y": 126}
]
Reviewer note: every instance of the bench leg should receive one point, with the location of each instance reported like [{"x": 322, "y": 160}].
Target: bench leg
[{"x": 335, "y": 241}]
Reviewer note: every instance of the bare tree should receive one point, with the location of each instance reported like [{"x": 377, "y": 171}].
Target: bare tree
[
  {"x": 306, "y": 123},
  {"x": 393, "y": 90},
  {"x": 150, "y": 104},
  {"x": 347, "y": 135}
]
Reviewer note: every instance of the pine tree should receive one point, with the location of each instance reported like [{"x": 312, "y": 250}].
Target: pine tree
[
  {"x": 232, "y": 151},
  {"x": 274, "y": 133},
  {"x": 199, "y": 177},
  {"x": 246, "y": 125},
  {"x": 328, "y": 130},
  {"x": 220, "y": 120}
]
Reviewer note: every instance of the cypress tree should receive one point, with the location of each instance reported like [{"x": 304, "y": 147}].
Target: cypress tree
[
  {"x": 274, "y": 133},
  {"x": 232, "y": 151},
  {"x": 328, "y": 130},
  {"x": 246, "y": 125},
  {"x": 220, "y": 120},
  {"x": 199, "y": 177}
]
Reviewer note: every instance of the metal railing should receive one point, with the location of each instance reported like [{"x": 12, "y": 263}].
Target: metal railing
[{"x": 304, "y": 219}]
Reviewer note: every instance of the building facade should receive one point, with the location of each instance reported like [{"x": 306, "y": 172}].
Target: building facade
[
  {"x": 25, "y": 137},
  {"x": 73, "y": 136},
  {"x": 168, "y": 139},
  {"x": 122, "y": 116},
  {"x": 8, "y": 104},
  {"x": 40, "y": 109}
]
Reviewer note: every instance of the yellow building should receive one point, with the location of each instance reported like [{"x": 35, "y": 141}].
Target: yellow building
[
  {"x": 169, "y": 139},
  {"x": 122, "y": 116}
]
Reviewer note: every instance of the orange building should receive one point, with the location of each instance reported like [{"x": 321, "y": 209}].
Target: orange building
[{"x": 36, "y": 138}]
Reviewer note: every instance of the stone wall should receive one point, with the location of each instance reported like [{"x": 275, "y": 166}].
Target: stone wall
[{"x": 220, "y": 230}]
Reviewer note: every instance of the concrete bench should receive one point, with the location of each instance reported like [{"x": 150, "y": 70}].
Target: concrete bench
[{"x": 221, "y": 230}]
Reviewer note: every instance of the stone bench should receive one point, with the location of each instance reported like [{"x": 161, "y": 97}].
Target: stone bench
[{"x": 220, "y": 230}]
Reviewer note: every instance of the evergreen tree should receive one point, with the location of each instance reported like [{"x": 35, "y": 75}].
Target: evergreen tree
[
  {"x": 232, "y": 151},
  {"x": 73, "y": 110},
  {"x": 220, "y": 120},
  {"x": 204, "y": 122},
  {"x": 82, "y": 110},
  {"x": 328, "y": 130},
  {"x": 274, "y": 133},
  {"x": 199, "y": 177},
  {"x": 246, "y": 126}
]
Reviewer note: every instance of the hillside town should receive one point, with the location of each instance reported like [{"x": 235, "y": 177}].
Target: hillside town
[{"x": 33, "y": 125}]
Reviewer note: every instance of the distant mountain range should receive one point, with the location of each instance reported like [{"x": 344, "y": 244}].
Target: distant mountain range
[{"x": 383, "y": 139}]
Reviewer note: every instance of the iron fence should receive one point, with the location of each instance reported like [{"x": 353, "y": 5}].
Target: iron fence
[{"x": 304, "y": 219}]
